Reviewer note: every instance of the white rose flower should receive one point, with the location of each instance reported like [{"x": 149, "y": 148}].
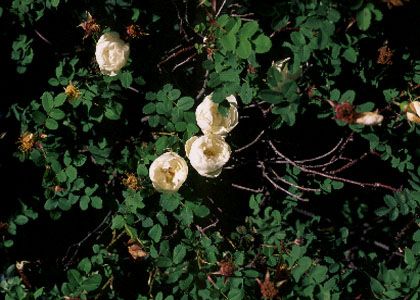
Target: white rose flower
[
  {"x": 211, "y": 121},
  {"x": 413, "y": 112},
  {"x": 168, "y": 172},
  {"x": 111, "y": 53},
  {"x": 369, "y": 118},
  {"x": 207, "y": 154}
]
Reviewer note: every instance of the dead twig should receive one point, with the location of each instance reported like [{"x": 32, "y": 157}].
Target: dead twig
[
  {"x": 336, "y": 178},
  {"x": 240, "y": 187},
  {"x": 265, "y": 175},
  {"x": 251, "y": 143}
]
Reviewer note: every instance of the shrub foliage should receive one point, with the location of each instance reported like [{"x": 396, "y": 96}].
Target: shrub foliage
[{"x": 320, "y": 197}]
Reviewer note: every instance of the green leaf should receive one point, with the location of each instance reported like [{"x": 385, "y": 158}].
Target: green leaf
[
  {"x": 376, "y": 286},
  {"x": 60, "y": 99},
  {"x": 246, "y": 93},
  {"x": 118, "y": 222},
  {"x": 126, "y": 79},
  {"x": 348, "y": 96},
  {"x": 363, "y": 18},
  {"x": 236, "y": 294},
  {"x": 390, "y": 201},
  {"x": 57, "y": 114},
  {"x": 416, "y": 236},
  {"x": 71, "y": 173},
  {"x": 21, "y": 220},
  {"x": 8, "y": 243},
  {"x": 409, "y": 258},
  {"x": 85, "y": 265},
  {"x": 84, "y": 202},
  {"x": 74, "y": 277},
  {"x": 113, "y": 110},
  {"x": 179, "y": 254},
  {"x": 92, "y": 283},
  {"x": 270, "y": 96},
  {"x": 55, "y": 3},
  {"x": 149, "y": 108},
  {"x": 382, "y": 211},
  {"x": 201, "y": 211},
  {"x": 174, "y": 94},
  {"x": 155, "y": 233},
  {"x": 96, "y": 202},
  {"x": 244, "y": 49},
  {"x": 228, "y": 41},
  {"x": 262, "y": 44},
  {"x": 142, "y": 170},
  {"x": 350, "y": 55},
  {"x": 47, "y": 101},
  {"x": 180, "y": 126},
  {"x": 51, "y": 124},
  {"x": 185, "y": 103},
  {"x": 303, "y": 265},
  {"x": 248, "y": 29},
  {"x": 186, "y": 215}
]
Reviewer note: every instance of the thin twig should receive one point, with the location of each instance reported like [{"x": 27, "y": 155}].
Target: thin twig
[
  {"x": 349, "y": 164},
  {"x": 220, "y": 9},
  {"x": 184, "y": 61},
  {"x": 321, "y": 156},
  {"x": 304, "y": 169},
  {"x": 173, "y": 55},
  {"x": 240, "y": 187},
  {"x": 42, "y": 37},
  {"x": 251, "y": 143},
  {"x": 306, "y": 189},
  {"x": 265, "y": 175},
  {"x": 76, "y": 246}
]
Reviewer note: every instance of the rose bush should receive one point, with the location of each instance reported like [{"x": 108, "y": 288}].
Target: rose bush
[
  {"x": 207, "y": 154},
  {"x": 168, "y": 172},
  {"x": 111, "y": 53}
]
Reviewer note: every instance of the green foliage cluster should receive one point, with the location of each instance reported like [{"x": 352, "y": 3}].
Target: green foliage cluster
[{"x": 94, "y": 138}]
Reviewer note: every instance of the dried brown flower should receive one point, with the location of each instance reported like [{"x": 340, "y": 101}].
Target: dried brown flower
[
  {"x": 267, "y": 287},
  {"x": 226, "y": 268},
  {"x": 345, "y": 112},
  {"x": 131, "y": 181},
  {"x": 72, "y": 91},
  {"x": 27, "y": 141},
  {"x": 136, "y": 250},
  {"x": 394, "y": 3},
  {"x": 134, "y": 31},
  {"x": 385, "y": 56},
  {"x": 89, "y": 26}
]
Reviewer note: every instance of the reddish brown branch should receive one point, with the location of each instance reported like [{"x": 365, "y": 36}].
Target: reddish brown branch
[
  {"x": 336, "y": 178},
  {"x": 173, "y": 55}
]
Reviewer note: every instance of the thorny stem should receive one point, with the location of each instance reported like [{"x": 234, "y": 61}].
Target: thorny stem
[
  {"x": 240, "y": 187},
  {"x": 336, "y": 178},
  {"x": 203, "y": 230},
  {"x": 173, "y": 55},
  {"x": 349, "y": 164},
  {"x": 184, "y": 61},
  {"x": 265, "y": 175},
  {"x": 251, "y": 143},
  {"x": 294, "y": 185},
  {"x": 323, "y": 155}
]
